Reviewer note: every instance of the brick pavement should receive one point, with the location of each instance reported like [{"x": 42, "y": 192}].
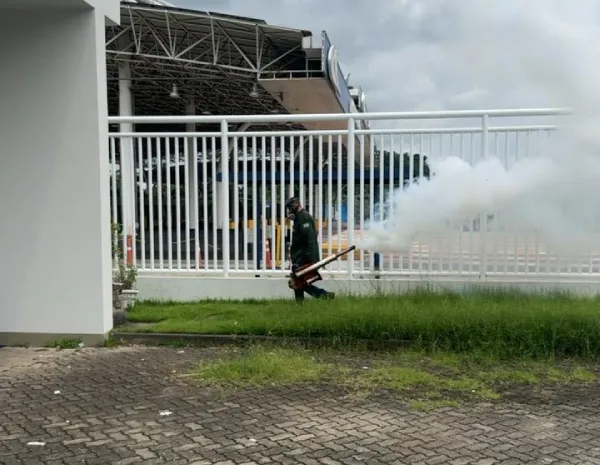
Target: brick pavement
[{"x": 123, "y": 406}]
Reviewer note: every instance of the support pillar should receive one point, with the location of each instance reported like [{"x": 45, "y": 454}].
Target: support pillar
[
  {"x": 226, "y": 152},
  {"x": 54, "y": 173},
  {"x": 190, "y": 110},
  {"x": 127, "y": 163}
]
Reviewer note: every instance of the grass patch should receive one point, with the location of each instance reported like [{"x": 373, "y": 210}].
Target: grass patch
[
  {"x": 426, "y": 380},
  {"x": 263, "y": 367},
  {"x": 433, "y": 404},
  {"x": 65, "y": 344},
  {"x": 401, "y": 378},
  {"x": 503, "y": 324}
]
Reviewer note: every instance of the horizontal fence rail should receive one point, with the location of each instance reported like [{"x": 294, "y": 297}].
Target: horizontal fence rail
[{"x": 213, "y": 201}]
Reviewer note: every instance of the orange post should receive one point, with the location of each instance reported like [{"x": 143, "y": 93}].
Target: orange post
[
  {"x": 269, "y": 258},
  {"x": 200, "y": 257},
  {"x": 129, "y": 249}
]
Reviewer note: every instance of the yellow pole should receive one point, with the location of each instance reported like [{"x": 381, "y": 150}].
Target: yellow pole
[{"x": 277, "y": 245}]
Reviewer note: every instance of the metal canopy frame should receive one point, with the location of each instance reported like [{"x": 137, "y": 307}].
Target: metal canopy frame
[{"x": 214, "y": 59}]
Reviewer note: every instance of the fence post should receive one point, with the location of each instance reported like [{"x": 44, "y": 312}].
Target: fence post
[
  {"x": 127, "y": 163},
  {"x": 483, "y": 215},
  {"x": 350, "y": 191},
  {"x": 127, "y": 166},
  {"x": 225, "y": 199}
]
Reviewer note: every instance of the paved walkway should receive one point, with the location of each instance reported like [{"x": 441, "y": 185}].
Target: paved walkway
[{"x": 122, "y": 406}]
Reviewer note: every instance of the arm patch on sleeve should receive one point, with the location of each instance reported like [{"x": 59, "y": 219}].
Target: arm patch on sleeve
[{"x": 306, "y": 225}]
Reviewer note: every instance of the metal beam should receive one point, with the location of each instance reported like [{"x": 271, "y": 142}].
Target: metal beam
[
  {"x": 194, "y": 45},
  {"x": 182, "y": 60},
  {"x": 240, "y": 51},
  {"x": 272, "y": 62}
]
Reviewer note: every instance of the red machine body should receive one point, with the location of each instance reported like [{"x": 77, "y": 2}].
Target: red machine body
[{"x": 309, "y": 274}]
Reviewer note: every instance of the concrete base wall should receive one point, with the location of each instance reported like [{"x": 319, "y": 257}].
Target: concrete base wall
[
  {"x": 43, "y": 339},
  {"x": 193, "y": 288}
]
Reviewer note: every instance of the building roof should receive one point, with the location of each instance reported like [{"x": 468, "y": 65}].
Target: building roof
[{"x": 214, "y": 59}]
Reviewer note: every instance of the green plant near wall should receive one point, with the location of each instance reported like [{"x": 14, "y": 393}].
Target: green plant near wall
[{"x": 125, "y": 274}]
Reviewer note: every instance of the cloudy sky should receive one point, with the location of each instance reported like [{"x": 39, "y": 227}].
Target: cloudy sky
[{"x": 446, "y": 54}]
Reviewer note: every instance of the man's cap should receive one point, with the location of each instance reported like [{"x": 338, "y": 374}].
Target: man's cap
[{"x": 292, "y": 201}]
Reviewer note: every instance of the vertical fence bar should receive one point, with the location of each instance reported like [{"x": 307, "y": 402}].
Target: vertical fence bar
[
  {"x": 381, "y": 182},
  {"x": 159, "y": 197},
  {"x": 127, "y": 165},
  {"x": 225, "y": 200},
  {"x": 320, "y": 200},
  {"x": 292, "y": 165},
  {"x": 462, "y": 221},
  {"x": 274, "y": 237},
  {"x": 141, "y": 194},
  {"x": 420, "y": 246},
  {"x": 236, "y": 205},
  {"x": 125, "y": 209},
  {"x": 505, "y": 229},
  {"x": 215, "y": 203},
  {"x": 329, "y": 193},
  {"x": 169, "y": 211},
  {"x": 444, "y": 240},
  {"x": 401, "y": 188},
  {"x": 391, "y": 193},
  {"x": 411, "y": 170},
  {"x": 485, "y": 126},
  {"x": 372, "y": 196},
  {"x": 245, "y": 221},
  {"x": 150, "y": 167},
  {"x": 113, "y": 185},
  {"x": 451, "y": 225},
  {"x": 202, "y": 253},
  {"x": 263, "y": 203},
  {"x": 301, "y": 173},
  {"x": 311, "y": 167},
  {"x": 255, "y": 220},
  {"x": 472, "y": 219},
  {"x": 282, "y": 219},
  {"x": 421, "y": 176},
  {"x": 178, "y": 201},
  {"x": 340, "y": 159},
  {"x": 361, "y": 213},
  {"x": 517, "y": 246},
  {"x": 351, "y": 186},
  {"x": 186, "y": 202}
]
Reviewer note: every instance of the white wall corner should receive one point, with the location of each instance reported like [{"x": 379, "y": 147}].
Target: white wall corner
[{"x": 111, "y": 9}]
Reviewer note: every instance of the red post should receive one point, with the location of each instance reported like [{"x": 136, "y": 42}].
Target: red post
[
  {"x": 200, "y": 258},
  {"x": 129, "y": 249}
]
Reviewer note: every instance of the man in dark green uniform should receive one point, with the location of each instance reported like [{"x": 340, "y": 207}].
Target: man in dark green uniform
[{"x": 304, "y": 249}]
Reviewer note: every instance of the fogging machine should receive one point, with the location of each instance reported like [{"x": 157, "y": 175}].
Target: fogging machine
[{"x": 309, "y": 274}]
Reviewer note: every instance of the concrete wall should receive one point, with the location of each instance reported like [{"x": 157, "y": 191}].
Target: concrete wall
[
  {"x": 55, "y": 278},
  {"x": 194, "y": 288}
]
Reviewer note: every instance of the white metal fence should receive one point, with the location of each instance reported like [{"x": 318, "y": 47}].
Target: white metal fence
[{"x": 187, "y": 208}]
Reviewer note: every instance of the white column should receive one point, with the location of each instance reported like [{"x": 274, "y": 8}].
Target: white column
[
  {"x": 190, "y": 110},
  {"x": 127, "y": 164},
  {"x": 54, "y": 174},
  {"x": 226, "y": 152}
]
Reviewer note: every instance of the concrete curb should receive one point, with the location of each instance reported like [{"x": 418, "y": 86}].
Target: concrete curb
[{"x": 226, "y": 339}]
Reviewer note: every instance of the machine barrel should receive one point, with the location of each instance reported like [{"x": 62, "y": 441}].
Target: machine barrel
[{"x": 325, "y": 261}]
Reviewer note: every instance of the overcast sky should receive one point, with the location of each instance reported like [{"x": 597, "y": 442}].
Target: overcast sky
[{"x": 446, "y": 54}]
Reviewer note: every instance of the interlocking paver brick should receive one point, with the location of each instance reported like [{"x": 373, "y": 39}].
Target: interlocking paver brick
[{"x": 128, "y": 406}]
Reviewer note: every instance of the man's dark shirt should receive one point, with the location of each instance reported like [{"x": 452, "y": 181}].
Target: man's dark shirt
[{"x": 305, "y": 244}]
